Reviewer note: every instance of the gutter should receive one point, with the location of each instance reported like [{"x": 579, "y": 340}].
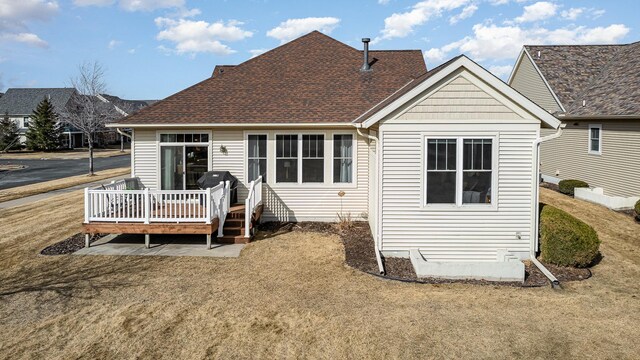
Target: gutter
[
  {"x": 536, "y": 207},
  {"x": 376, "y": 236}
]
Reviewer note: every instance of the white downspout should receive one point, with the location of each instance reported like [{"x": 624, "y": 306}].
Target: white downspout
[
  {"x": 375, "y": 236},
  {"x": 536, "y": 205},
  {"x": 123, "y": 133}
]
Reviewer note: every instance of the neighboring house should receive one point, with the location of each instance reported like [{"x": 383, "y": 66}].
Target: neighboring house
[
  {"x": 441, "y": 163},
  {"x": 20, "y": 103},
  {"x": 595, "y": 91}
]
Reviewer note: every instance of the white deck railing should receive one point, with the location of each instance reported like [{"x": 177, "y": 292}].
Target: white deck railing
[
  {"x": 251, "y": 203},
  {"x": 114, "y": 203}
]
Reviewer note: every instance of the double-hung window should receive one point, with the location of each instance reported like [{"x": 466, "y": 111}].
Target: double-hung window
[
  {"x": 595, "y": 139},
  {"x": 257, "y": 157},
  {"x": 287, "y": 158},
  {"x": 343, "y": 158},
  {"x": 441, "y": 171},
  {"x": 459, "y": 171},
  {"x": 476, "y": 171},
  {"x": 312, "y": 158}
]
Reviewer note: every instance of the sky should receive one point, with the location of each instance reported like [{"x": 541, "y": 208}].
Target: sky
[{"x": 154, "y": 48}]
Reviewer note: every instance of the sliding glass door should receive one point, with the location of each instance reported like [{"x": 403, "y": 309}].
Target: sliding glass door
[
  {"x": 184, "y": 158},
  {"x": 172, "y": 167}
]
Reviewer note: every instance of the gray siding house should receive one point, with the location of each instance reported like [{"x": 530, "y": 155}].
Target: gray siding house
[{"x": 595, "y": 91}]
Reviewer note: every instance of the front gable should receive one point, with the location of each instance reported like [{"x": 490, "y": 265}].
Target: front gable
[
  {"x": 461, "y": 96},
  {"x": 460, "y": 91}
]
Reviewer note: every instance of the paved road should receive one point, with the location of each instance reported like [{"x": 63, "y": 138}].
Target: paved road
[
  {"x": 45, "y": 170},
  {"x": 37, "y": 197}
]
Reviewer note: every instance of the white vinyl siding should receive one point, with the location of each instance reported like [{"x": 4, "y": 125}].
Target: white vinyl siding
[
  {"x": 145, "y": 157},
  {"x": 615, "y": 170},
  {"x": 460, "y": 233},
  {"x": 529, "y": 83},
  {"x": 284, "y": 202}
]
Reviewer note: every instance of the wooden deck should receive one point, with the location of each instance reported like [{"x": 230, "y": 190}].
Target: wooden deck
[{"x": 151, "y": 228}]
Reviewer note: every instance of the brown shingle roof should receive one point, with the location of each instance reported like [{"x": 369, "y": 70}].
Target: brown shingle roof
[
  {"x": 314, "y": 78},
  {"x": 606, "y": 77}
]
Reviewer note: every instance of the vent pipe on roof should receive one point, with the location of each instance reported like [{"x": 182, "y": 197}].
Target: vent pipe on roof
[{"x": 365, "y": 65}]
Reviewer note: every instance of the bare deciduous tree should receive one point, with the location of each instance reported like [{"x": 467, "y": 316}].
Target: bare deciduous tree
[{"x": 88, "y": 111}]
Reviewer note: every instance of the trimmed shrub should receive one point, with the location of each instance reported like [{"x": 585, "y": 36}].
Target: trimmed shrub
[
  {"x": 567, "y": 186},
  {"x": 565, "y": 240},
  {"x": 637, "y": 209}
]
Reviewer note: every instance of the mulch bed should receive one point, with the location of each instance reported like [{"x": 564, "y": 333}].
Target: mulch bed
[
  {"x": 69, "y": 245},
  {"x": 360, "y": 255},
  {"x": 551, "y": 186}
]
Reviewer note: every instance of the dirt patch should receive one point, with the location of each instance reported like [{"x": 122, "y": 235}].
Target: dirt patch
[
  {"x": 69, "y": 245},
  {"x": 360, "y": 255},
  {"x": 551, "y": 186}
]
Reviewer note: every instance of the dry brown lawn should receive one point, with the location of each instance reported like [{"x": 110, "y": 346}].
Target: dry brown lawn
[
  {"x": 67, "y": 154},
  {"x": 291, "y": 296},
  {"x": 46, "y": 186}
]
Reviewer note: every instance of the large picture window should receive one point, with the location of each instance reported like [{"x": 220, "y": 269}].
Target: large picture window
[
  {"x": 459, "y": 171},
  {"x": 343, "y": 158},
  {"x": 257, "y": 157},
  {"x": 312, "y": 158},
  {"x": 287, "y": 158}
]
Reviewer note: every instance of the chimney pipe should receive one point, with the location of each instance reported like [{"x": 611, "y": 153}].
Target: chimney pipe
[{"x": 365, "y": 65}]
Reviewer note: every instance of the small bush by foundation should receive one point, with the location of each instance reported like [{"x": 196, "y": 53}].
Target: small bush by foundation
[
  {"x": 565, "y": 240},
  {"x": 567, "y": 186}
]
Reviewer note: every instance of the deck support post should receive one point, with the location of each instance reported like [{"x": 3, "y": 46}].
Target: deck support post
[
  {"x": 147, "y": 240},
  {"x": 208, "y": 241},
  {"x": 87, "y": 237}
]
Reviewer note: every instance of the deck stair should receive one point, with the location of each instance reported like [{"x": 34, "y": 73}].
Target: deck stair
[{"x": 234, "y": 229}]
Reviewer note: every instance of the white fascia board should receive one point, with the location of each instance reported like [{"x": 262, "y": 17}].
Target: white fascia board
[
  {"x": 481, "y": 73},
  {"x": 535, "y": 66},
  {"x": 245, "y": 125}
]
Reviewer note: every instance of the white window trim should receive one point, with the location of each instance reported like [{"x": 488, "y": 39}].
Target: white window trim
[
  {"x": 159, "y": 145},
  {"x": 459, "y": 206},
  {"x": 246, "y": 156},
  {"x": 599, "y": 127},
  {"x": 354, "y": 141}
]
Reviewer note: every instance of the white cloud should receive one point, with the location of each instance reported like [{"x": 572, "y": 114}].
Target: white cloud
[
  {"x": 402, "y": 24},
  {"x": 383, "y": 2},
  {"x": 113, "y": 44},
  {"x": 293, "y": 28},
  {"x": 135, "y": 5},
  {"x": 25, "y": 38},
  {"x": 93, "y": 2},
  {"x": 467, "y": 12},
  {"x": 538, "y": 11},
  {"x": 504, "y": 42},
  {"x": 572, "y": 13},
  {"x": 190, "y": 36},
  {"x": 150, "y": 5},
  {"x": 15, "y": 16},
  {"x": 24, "y": 10},
  {"x": 256, "y": 52},
  {"x": 500, "y": 71},
  {"x": 131, "y": 51}
]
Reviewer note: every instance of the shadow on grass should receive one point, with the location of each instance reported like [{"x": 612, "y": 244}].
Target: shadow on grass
[{"x": 74, "y": 278}]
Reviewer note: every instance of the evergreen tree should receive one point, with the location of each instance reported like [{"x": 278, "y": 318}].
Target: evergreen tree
[
  {"x": 44, "y": 132},
  {"x": 9, "y": 136}
]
